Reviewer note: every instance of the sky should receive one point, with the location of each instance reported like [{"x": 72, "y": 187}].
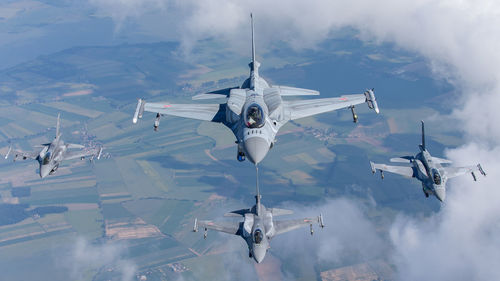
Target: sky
[{"x": 458, "y": 39}]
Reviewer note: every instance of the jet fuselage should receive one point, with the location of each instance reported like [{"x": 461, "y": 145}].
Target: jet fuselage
[
  {"x": 50, "y": 158},
  {"x": 433, "y": 181},
  {"x": 256, "y": 139}
]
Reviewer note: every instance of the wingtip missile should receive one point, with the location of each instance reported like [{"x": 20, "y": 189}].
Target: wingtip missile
[
  {"x": 139, "y": 110},
  {"x": 8, "y": 152},
  {"x": 195, "y": 227},
  {"x": 372, "y": 165},
  {"x": 99, "y": 154},
  {"x": 371, "y": 100},
  {"x": 320, "y": 221}
]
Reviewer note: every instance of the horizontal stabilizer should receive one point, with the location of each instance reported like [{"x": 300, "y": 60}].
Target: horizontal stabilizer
[
  {"x": 280, "y": 212},
  {"x": 291, "y": 91},
  {"x": 402, "y": 159},
  {"x": 41, "y": 145},
  {"x": 208, "y": 96},
  {"x": 74, "y": 146},
  {"x": 238, "y": 213},
  {"x": 441, "y": 160},
  {"x": 222, "y": 93}
]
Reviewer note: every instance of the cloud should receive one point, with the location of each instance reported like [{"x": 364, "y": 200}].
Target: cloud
[
  {"x": 86, "y": 257},
  {"x": 347, "y": 230},
  {"x": 122, "y": 10}
]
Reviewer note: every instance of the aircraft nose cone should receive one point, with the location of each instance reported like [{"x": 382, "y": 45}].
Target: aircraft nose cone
[
  {"x": 44, "y": 171},
  {"x": 259, "y": 255},
  {"x": 256, "y": 148},
  {"x": 440, "y": 194}
]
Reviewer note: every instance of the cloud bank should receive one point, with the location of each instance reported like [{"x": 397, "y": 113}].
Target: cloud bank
[
  {"x": 347, "y": 232},
  {"x": 85, "y": 258}
]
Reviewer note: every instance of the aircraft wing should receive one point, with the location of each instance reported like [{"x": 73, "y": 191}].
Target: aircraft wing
[
  {"x": 22, "y": 154},
  {"x": 401, "y": 170},
  {"x": 303, "y": 108},
  {"x": 227, "y": 227},
  {"x": 206, "y": 112},
  {"x": 87, "y": 152},
  {"x": 292, "y": 91},
  {"x": 287, "y": 225},
  {"x": 451, "y": 172}
]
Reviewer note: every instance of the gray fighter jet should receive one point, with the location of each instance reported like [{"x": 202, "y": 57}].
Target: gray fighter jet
[
  {"x": 258, "y": 226},
  {"x": 51, "y": 154},
  {"x": 428, "y": 170},
  {"x": 255, "y": 111}
]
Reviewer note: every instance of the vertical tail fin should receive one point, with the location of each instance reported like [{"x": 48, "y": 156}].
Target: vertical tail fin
[
  {"x": 423, "y": 136},
  {"x": 58, "y": 125},
  {"x": 253, "y": 44},
  {"x": 254, "y": 65}
]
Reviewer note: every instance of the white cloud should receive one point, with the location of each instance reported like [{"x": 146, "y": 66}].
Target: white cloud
[
  {"x": 86, "y": 257},
  {"x": 121, "y": 10},
  {"x": 347, "y": 232}
]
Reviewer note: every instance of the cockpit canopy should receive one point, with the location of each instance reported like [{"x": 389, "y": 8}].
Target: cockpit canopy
[
  {"x": 258, "y": 236},
  {"x": 254, "y": 116},
  {"x": 436, "y": 177},
  {"x": 46, "y": 158}
]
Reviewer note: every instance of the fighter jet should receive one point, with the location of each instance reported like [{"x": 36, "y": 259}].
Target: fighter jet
[
  {"x": 258, "y": 226},
  {"x": 428, "y": 170},
  {"x": 255, "y": 111},
  {"x": 52, "y": 154}
]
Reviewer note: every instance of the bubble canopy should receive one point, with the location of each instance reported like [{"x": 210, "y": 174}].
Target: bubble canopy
[
  {"x": 436, "y": 176},
  {"x": 254, "y": 116},
  {"x": 46, "y": 159},
  {"x": 258, "y": 236}
]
